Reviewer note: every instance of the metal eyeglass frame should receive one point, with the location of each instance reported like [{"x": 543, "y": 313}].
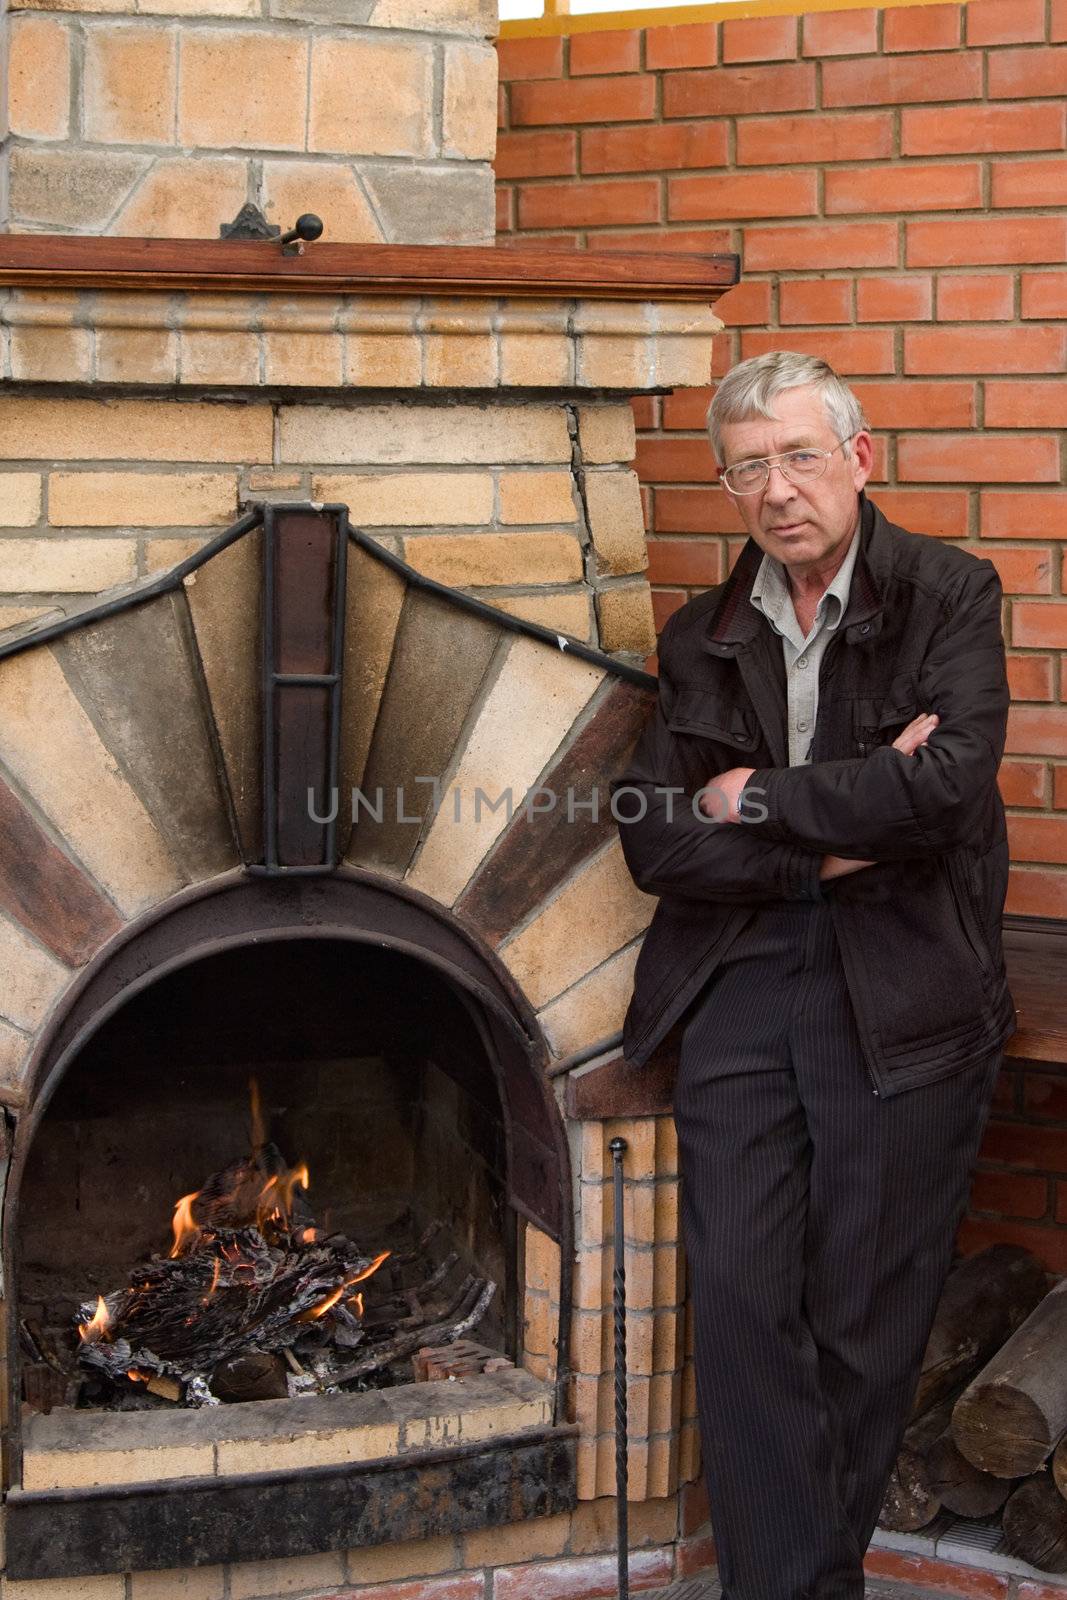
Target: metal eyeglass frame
[{"x": 767, "y": 462}]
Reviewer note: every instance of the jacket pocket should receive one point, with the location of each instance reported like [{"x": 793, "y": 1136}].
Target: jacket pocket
[
  {"x": 710, "y": 716},
  {"x": 961, "y": 873},
  {"x": 877, "y": 720}
]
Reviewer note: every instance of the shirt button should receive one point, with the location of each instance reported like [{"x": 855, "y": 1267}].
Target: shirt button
[
  {"x": 802, "y": 727},
  {"x": 802, "y": 663}
]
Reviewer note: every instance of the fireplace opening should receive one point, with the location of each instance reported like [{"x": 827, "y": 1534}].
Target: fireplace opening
[{"x": 280, "y": 1170}]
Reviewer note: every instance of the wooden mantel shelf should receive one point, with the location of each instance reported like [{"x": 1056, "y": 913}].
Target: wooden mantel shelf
[
  {"x": 1035, "y": 951},
  {"x": 62, "y": 261}
]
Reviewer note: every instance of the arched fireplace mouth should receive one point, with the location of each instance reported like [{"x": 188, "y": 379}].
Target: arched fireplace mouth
[{"x": 390, "y": 1053}]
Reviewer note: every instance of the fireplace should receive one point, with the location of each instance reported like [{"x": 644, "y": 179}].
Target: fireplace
[{"x": 317, "y": 797}]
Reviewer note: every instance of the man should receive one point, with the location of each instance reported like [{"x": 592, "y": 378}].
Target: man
[{"x": 814, "y": 801}]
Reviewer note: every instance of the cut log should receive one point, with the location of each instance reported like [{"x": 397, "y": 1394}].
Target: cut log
[
  {"x": 1010, "y": 1417},
  {"x": 985, "y": 1299},
  {"x": 255, "y": 1375},
  {"x": 962, "y": 1488},
  {"x": 1035, "y": 1524},
  {"x": 911, "y": 1501}
]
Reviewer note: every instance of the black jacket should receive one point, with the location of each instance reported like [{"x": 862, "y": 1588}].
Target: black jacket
[{"x": 919, "y": 932}]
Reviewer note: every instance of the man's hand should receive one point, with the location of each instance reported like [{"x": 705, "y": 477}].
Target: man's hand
[
  {"x": 916, "y": 733},
  {"x": 718, "y": 799}
]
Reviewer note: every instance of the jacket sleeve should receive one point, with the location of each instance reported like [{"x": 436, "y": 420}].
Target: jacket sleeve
[
  {"x": 671, "y": 848},
  {"x": 889, "y": 806}
]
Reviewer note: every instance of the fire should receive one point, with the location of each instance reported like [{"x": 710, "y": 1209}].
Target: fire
[
  {"x": 186, "y": 1230},
  {"x": 214, "y": 1281},
  {"x": 313, "y": 1313},
  {"x": 367, "y": 1271},
  {"x": 98, "y": 1327},
  {"x": 356, "y": 1300}
]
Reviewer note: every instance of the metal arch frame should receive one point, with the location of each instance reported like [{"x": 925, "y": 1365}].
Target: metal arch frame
[{"x": 143, "y": 953}]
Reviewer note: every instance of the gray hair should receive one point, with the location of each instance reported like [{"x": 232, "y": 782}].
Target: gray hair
[{"x": 749, "y": 389}]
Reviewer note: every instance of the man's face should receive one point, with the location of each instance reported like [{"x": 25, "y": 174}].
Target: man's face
[{"x": 803, "y": 525}]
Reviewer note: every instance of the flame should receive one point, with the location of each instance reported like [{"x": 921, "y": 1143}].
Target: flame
[
  {"x": 357, "y": 1301},
  {"x": 97, "y": 1328},
  {"x": 135, "y": 1376},
  {"x": 214, "y": 1281},
  {"x": 309, "y": 1235},
  {"x": 367, "y": 1271},
  {"x": 186, "y": 1231},
  {"x": 313, "y": 1313}
]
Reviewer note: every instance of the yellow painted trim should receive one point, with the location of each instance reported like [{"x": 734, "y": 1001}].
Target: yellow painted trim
[{"x": 671, "y": 16}]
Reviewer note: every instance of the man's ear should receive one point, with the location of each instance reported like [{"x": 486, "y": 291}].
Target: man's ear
[{"x": 862, "y": 458}]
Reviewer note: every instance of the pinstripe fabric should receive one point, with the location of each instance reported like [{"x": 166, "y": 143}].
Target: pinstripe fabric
[{"x": 819, "y": 1221}]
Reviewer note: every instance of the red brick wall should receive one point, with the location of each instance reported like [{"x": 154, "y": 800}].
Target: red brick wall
[{"x": 895, "y": 182}]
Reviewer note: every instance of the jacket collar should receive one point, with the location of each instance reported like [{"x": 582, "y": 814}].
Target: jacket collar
[{"x": 735, "y": 621}]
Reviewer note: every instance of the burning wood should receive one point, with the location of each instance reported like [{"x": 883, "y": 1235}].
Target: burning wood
[{"x": 249, "y": 1276}]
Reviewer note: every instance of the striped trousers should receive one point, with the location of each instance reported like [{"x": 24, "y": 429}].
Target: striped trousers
[{"x": 819, "y": 1221}]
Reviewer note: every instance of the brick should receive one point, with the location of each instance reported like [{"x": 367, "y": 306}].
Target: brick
[
  {"x": 582, "y": 1578},
  {"x": 606, "y": 433},
  {"x": 111, "y": 1586},
  {"x": 688, "y": 45},
  {"x": 1023, "y": 571},
  {"x": 468, "y": 112},
  {"x": 686, "y": 241},
  {"x": 989, "y": 241},
  {"x": 847, "y": 350},
  {"x": 38, "y": 77},
  {"x": 268, "y": 114},
  {"x": 896, "y": 299},
  {"x": 477, "y": 560},
  {"x": 134, "y": 430},
  {"x": 865, "y": 136},
  {"x": 669, "y": 147},
  {"x": 1029, "y": 676},
  {"x": 536, "y": 1540},
  {"x": 692, "y": 562},
  {"x": 840, "y": 33},
  {"x": 940, "y": 1576},
  {"x": 676, "y": 461},
  {"x": 605, "y": 51},
  {"x": 1013, "y": 404},
  {"x": 544, "y": 154},
  {"x": 731, "y": 91},
  {"x": 1058, "y": 22},
  {"x": 20, "y": 499},
  {"x": 410, "y": 1558},
  {"x": 957, "y": 130},
  {"x": 1036, "y": 625},
  {"x": 925, "y": 27},
  {"x": 291, "y": 187},
  {"x": 532, "y": 497},
  {"x": 530, "y": 58},
  {"x": 975, "y": 297},
  {"x": 547, "y": 205},
  {"x": 1008, "y": 1195},
  {"x": 616, "y": 522},
  {"x": 624, "y": 617},
  {"x": 1022, "y": 783},
  {"x": 368, "y": 435},
  {"x": 748, "y": 302},
  {"x": 1028, "y": 74},
  {"x": 59, "y": 355},
  {"x": 901, "y": 80},
  {"x": 1023, "y": 515},
  {"x": 1030, "y": 183},
  {"x": 394, "y": 121},
  {"x": 742, "y": 194},
  {"x": 583, "y": 100},
  {"x": 129, "y": 84},
  {"x": 908, "y": 187},
  {"x": 979, "y": 350},
  {"x": 186, "y": 1583},
  {"x": 808, "y": 300},
  {"x": 1005, "y": 22},
  {"x": 942, "y": 513},
  {"x": 410, "y": 499},
  {"x": 1044, "y": 294},
  {"x": 141, "y": 500},
  {"x": 833, "y": 246},
  {"x": 910, "y": 404},
  {"x": 183, "y": 199},
  {"x": 251, "y": 1579},
  {"x": 759, "y": 39},
  {"x": 989, "y": 458},
  {"x": 65, "y": 566},
  {"x": 1033, "y": 893},
  {"x": 75, "y": 189}
]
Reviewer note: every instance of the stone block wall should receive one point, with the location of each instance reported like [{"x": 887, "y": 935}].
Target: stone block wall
[{"x": 164, "y": 119}]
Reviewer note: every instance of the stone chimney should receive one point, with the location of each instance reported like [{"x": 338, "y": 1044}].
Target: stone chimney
[{"x": 164, "y": 117}]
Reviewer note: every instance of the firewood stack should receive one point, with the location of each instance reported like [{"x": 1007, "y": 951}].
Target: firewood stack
[{"x": 988, "y": 1428}]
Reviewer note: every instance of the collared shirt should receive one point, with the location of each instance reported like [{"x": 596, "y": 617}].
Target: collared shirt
[{"x": 771, "y": 595}]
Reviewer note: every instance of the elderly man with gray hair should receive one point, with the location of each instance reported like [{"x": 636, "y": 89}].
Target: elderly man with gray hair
[{"x": 814, "y": 801}]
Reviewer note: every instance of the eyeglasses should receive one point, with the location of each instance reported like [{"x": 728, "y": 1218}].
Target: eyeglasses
[{"x": 796, "y": 466}]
